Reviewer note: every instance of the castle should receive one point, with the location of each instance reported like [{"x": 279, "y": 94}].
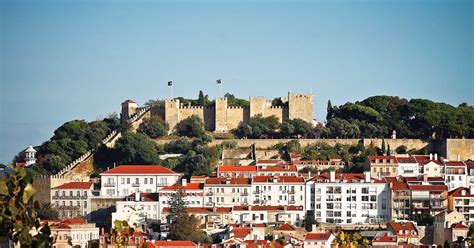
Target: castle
[{"x": 223, "y": 118}]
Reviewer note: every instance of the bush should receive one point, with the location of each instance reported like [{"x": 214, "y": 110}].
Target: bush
[
  {"x": 230, "y": 144},
  {"x": 401, "y": 149},
  {"x": 154, "y": 127},
  {"x": 192, "y": 126}
]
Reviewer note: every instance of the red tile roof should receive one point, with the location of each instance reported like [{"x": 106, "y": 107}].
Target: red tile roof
[
  {"x": 241, "y": 233},
  {"x": 231, "y": 168},
  {"x": 381, "y": 158},
  {"x": 279, "y": 179},
  {"x": 189, "y": 186},
  {"x": 286, "y": 227},
  {"x": 262, "y": 244},
  {"x": 454, "y": 163},
  {"x": 269, "y": 161},
  {"x": 223, "y": 180},
  {"x": 470, "y": 165},
  {"x": 459, "y": 192},
  {"x": 459, "y": 226},
  {"x": 277, "y": 168},
  {"x": 385, "y": 238},
  {"x": 406, "y": 160},
  {"x": 318, "y": 236},
  {"x": 402, "y": 226},
  {"x": 75, "y": 185},
  {"x": 139, "y": 169},
  {"x": 428, "y": 187},
  {"x": 350, "y": 177}
]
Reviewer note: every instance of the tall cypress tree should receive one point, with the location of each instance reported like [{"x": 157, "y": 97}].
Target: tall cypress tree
[
  {"x": 329, "y": 111},
  {"x": 201, "y": 99},
  {"x": 383, "y": 146}
]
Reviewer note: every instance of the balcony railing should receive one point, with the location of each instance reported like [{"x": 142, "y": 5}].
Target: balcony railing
[
  {"x": 135, "y": 185},
  {"x": 291, "y": 192},
  {"x": 68, "y": 207},
  {"x": 244, "y": 193},
  {"x": 109, "y": 184},
  {"x": 209, "y": 193}
]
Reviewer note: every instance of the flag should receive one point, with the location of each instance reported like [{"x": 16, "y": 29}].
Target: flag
[
  {"x": 218, "y": 81},
  {"x": 170, "y": 83}
]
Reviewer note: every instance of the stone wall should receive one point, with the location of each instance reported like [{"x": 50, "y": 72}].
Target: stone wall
[
  {"x": 300, "y": 106},
  {"x": 409, "y": 143},
  {"x": 455, "y": 149},
  {"x": 236, "y": 115}
]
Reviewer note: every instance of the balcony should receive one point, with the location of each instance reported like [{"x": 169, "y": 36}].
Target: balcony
[
  {"x": 244, "y": 193},
  {"x": 257, "y": 192},
  {"x": 291, "y": 202},
  {"x": 68, "y": 207},
  {"x": 109, "y": 184},
  {"x": 209, "y": 193},
  {"x": 291, "y": 192},
  {"x": 135, "y": 185}
]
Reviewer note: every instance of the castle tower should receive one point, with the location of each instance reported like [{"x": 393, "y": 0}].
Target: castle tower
[
  {"x": 300, "y": 106},
  {"x": 258, "y": 105},
  {"x": 129, "y": 108},
  {"x": 172, "y": 113},
  {"x": 221, "y": 115},
  {"x": 30, "y": 156}
]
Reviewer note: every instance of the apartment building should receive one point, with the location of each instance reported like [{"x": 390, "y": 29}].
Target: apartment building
[
  {"x": 137, "y": 209},
  {"x": 430, "y": 165},
  {"x": 75, "y": 231},
  {"x": 416, "y": 195},
  {"x": 277, "y": 170},
  {"x": 408, "y": 167},
  {"x": 72, "y": 199},
  {"x": 193, "y": 194},
  {"x": 212, "y": 217},
  {"x": 245, "y": 171},
  {"x": 470, "y": 174},
  {"x": 269, "y": 214},
  {"x": 455, "y": 174},
  {"x": 227, "y": 192},
  {"x": 449, "y": 225},
  {"x": 405, "y": 231},
  {"x": 124, "y": 180},
  {"x": 382, "y": 166},
  {"x": 462, "y": 200},
  {"x": 348, "y": 198},
  {"x": 278, "y": 190}
]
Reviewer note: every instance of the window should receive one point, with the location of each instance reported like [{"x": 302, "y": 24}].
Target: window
[
  {"x": 137, "y": 181},
  {"x": 128, "y": 180},
  {"x": 85, "y": 193},
  {"x": 145, "y": 181},
  {"x": 78, "y": 203},
  {"x": 85, "y": 204},
  {"x": 122, "y": 180},
  {"x": 78, "y": 193},
  {"x": 151, "y": 180}
]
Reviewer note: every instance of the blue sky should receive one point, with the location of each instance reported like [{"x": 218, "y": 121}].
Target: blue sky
[{"x": 64, "y": 60}]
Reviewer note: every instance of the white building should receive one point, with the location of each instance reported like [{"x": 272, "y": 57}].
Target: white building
[
  {"x": 470, "y": 174},
  {"x": 462, "y": 200},
  {"x": 278, "y": 190},
  {"x": 277, "y": 170},
  {"x": 124, "y": 180},
  {"x": 455, "y": 174},
  {"x": 72, "y": 199},
  {"x": 227, "y": 192},
  {"x": 138, "y": 209},
  {"x": 194, "y": 194},
  {"x": 347, "y": 198},
  {"x": 269, "y": 214},
  {"x": 245, "y": 171},
  {"x": 319, "y": 240},
  {"x": 408, "y": 167},
  {"x": 76, "y": 231},
  {"x": 30, "y": 156},
  {"x": 430, "y": 165}
]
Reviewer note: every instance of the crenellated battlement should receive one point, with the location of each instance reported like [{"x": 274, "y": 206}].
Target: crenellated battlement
[{"x": 221, "y": 117}]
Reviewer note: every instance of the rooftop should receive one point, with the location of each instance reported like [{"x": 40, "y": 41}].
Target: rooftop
[
  {"x": 75, "y": 185},
  {"x": 279, "y": 179},
  {"x": 189, "y": 186},
  {"x": 138, "y": 169},
  {"x": 318, "y": 236}
]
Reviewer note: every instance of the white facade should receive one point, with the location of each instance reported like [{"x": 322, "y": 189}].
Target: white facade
[
  {"x": 433, "y": 169},
  {"x": 127, "y": 179},
  {"x": 319, "y": 240},
  {"x": 408, "y": 167},
  {"x": 72, "y": 199},
  {"x": 278, "y": 190},
  {"x": 268, "y": 214},
  {"x": 227, "y": 192},
  {"x": 78, "y": 233},
  {"x": 137, "y": 211},
  {"x": 194, "y": 194},
  {"x": 455, "y": 175},
  {"x": 30, "y": 156},
  {"x": 348, "y": 198}
]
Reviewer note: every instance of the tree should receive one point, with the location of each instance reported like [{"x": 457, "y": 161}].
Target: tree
[
  {"x": 19, "y": 212},
  {"x": 46, "y": 212},
  {"x": 309, "y": 221},
  {"x": 192, "y": 126},
  {"x": 184, "y": 226},
  {"x": 201, "y": 99},
  {"x": 135, "y": 148},
  {"x": 388, "y": 150},
  {"x": 384, "y": 150},
  {"x": 259, "y": 127},
  {"x": 401, "y": 149},
  {"x": 329, "y": 111},
  {"x": 121, "y": 233},
  {"x": 154, "y": 127}
]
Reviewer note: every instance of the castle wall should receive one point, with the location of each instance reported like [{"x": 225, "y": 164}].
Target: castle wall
[
  {"x": 188, "y": 111},
  {"x": 409, "y": 143},
  {"x": 462, "y": 148},
  {"x": 210, "y": 118},
  {"x": 236, "y": 115},
  {"x": 172, "y": 113},
  {"x": 221, "y": 115},
  {"x": 258, "y": 105},
  {"x": 300, "y": 106},
  {"x": 276, "y": 111}
]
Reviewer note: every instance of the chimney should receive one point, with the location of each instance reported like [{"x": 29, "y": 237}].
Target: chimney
[
  {"x": 436, "y": 156},
  {"x": 332, "y": 176},
  {"x": 309, "y": 174},
  {"x": 184, "y": 182},
  {"x": 431, "y": 156},
  {"x": 367, "y": 176},
  {"x": 137, "y": 195},
  {"x": 459, "y": 157},
  {"x": 425, "y": 178}
]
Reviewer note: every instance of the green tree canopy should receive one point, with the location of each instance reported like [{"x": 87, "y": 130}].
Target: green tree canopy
[
  {"x": 154, "y": 127},
  {"x": 192, "y": 126}
]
